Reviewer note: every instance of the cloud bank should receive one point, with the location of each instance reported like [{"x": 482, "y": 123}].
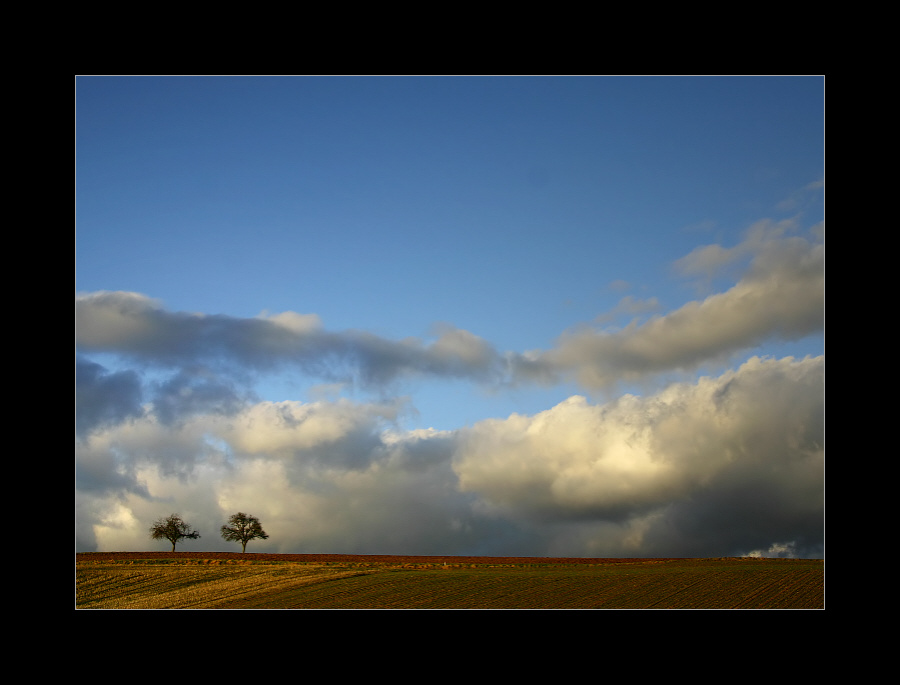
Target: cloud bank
[
  {"x": 729, "y": 463},
  {"x": 138, "y": 328},
  {"x": 781, "y": 295}
]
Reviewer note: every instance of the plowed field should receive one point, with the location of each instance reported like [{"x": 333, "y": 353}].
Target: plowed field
[{"x": 226, "y": 580}]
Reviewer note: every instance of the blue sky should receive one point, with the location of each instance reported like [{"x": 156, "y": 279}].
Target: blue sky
[{"x": 415, "y": 266}]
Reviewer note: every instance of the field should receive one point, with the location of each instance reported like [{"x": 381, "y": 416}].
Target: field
[{"x": 197, "y": 580}]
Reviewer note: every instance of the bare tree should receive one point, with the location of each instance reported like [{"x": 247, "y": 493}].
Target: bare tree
[
  {"x": 243, "y": 528},
  {"x": 172, "y": 528}
]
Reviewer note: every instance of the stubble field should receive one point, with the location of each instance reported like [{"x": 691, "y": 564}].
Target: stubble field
[{"x": 198, "y": 580}]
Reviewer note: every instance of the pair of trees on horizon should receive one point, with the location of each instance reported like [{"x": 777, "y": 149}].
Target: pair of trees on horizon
[{"x": 241, "y": 528}]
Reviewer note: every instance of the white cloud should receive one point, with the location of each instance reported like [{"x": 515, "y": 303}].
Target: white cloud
[
  {"x": 301, "y": 324},
  {"x": 283, "y": 429}
]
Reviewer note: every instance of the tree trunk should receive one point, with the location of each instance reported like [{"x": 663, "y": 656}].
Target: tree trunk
[
  {"x": 244, "y": 546},
  {"x": 173, "y": 546}
]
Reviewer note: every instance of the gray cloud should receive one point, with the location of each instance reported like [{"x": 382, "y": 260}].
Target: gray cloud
[
  {"x": 195, "y": 391},
  {"x": 781, "y": 295},
  {"x": 137, "y": 327},
  {"x": 103, "y": 397}
]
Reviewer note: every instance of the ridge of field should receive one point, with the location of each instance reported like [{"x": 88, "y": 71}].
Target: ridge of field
[
  {"x": 359, "y": 558},
  {"x": 197, "y": 580}
]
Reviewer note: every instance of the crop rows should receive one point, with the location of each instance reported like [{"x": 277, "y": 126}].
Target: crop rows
[
  {"x": 246, "y": 584},
  {"x": 555, "y": 589}
]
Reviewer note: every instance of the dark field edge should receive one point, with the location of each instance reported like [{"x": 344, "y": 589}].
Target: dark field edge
[{"x": 399, "y": 559}]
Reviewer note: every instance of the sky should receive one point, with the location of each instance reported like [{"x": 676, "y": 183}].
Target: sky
[{"x": 535, "y": 316}]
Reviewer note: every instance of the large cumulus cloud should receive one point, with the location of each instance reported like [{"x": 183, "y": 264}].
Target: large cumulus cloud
[{"x": 728, "y": 463}]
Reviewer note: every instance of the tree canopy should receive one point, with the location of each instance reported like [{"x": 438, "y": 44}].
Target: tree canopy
[
  {"x": 172, "y": 528},
  {"x": 243, "y": 528}
]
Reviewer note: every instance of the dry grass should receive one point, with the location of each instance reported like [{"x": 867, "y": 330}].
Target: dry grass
[{"x": 189, "y": 586}]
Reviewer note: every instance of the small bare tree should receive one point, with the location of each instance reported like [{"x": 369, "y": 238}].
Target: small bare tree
[
  {"x": 172, "y": 528},
  {"x": 243, "y": 528}
]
